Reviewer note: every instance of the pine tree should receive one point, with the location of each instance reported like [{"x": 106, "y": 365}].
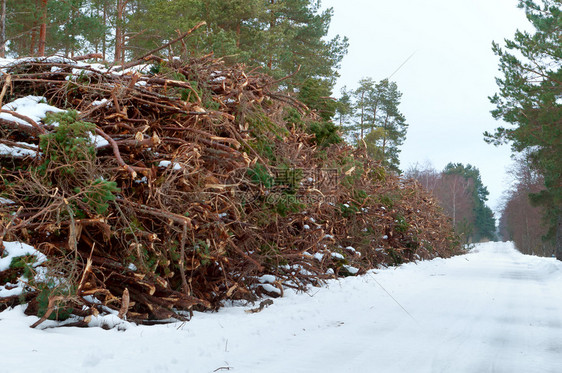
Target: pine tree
[
  {"x": 391, "y": 122},
  {"x": 315, "y": 94},
  {"x": 529, "y": 100},
  {"x": 280, "y": 36},
  {"x": 49, "y": 27},
  {"x": 361, "y": 110},
  {"x": 379, "y": 125},
  {"x": 344, "y": 107}
]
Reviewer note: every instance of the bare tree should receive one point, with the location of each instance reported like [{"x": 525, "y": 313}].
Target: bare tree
[
  {"x": 425, "y": 174},
  {"x": 521, "y": 222},
  {"x": 455, "y": 194}
]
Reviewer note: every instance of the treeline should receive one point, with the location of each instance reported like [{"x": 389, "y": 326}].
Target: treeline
[
  {"x": 529, "y": 100},
  {"x": 279, "y": 36},
  {"x": 521, "y": 221},
  {"x": 461, "y": 194}
]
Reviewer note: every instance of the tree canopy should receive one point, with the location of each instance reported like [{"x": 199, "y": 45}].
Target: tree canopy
[
  {"x": 374, "y": 119},
  {"x": 279, "y": 36},
  {"x": 530, "y": 101}
]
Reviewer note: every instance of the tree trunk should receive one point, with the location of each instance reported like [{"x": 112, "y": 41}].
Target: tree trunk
[
  {"x": 272, "y": 23},
  {"x": 375, "y": 115},
  {"x": 559, "y": 237},
  {"x": 103, "y": 42},
  {"x": 384, "y": 138},
  {"x": 362, "y": 114},
  {"x": 238, "y": 33},
  {"x": 3, "y": 29},
  {"x": 119, "y": 32},
  {"x": 43, "y": 29}
]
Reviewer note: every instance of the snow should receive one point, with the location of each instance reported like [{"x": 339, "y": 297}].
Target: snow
[
  {"x": 6, "y": 63},
  {"x": 351, "y": 269},
  {"x": 175, "y": 166},
  {"x": 338, "y": 256},
  {"x": 13, "y": 250},
  {"x": 16, "y": 151},
  {"x": 98, "y": 141},
  {"x": 267, "y": 279},
  {"x": 34, "y": 107},
  {"x": 270, "y": 288},
  {"x": 100, "y": 102},
  {"x": 16, "y": 249},
  {"x": 108, "y": 321},
  {"x": 492, "y": 310},
  {"x": 353, "y": 251},
  {"x": 6, "y": 201}
]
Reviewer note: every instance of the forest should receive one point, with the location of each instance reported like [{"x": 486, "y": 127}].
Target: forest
[
  {"x": 529, "y": 103},
  {"x": 181, "y": 154}
]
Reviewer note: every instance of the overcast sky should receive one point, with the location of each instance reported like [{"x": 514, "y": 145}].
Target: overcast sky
[{"x": 445, "y": 84}]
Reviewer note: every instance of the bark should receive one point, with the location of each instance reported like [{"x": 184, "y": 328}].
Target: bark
[
  {"x": 119, "y": 42},
  {"x": 362, "y": 113},
  {"x": 384, "y": 137},
  {"x": 3, "y": 29},
  {"x": 103, "y": 41},
  {"x": 43, "y": 29},
  {"x": 559, "y": 238},
  {"x": 375, "y": 115}
]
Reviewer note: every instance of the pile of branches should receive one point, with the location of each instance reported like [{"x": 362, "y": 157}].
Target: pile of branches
[{"x": 179, "y": 185}]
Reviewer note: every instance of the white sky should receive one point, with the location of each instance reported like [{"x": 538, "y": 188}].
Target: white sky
[{"x": 447, "y": 82}]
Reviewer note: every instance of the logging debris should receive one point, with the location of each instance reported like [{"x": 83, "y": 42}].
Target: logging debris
[{"x": 179, "y": 185}]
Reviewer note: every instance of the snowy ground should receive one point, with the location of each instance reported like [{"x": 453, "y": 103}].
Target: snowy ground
[{"x": 493, "y": 310}]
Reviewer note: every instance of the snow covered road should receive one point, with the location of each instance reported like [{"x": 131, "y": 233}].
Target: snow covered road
[{"x": 493, "y": 310}]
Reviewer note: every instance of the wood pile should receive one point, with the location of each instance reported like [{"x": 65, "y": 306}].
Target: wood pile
[{"x": 179, "y": 185}]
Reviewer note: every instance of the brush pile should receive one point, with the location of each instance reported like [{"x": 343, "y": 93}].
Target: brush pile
[{"x": 179, "y": 185}]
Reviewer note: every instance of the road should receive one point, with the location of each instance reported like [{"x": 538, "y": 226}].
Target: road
[{"x": 492, "y": 310}]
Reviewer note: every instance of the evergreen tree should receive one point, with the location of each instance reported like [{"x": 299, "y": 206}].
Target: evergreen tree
[
  {"x": 48, "y": 27},
  {"x": 315, "y": 93},
  {"x": 360, "y": 109},
  {"x": 484, "y": 224},
  {"x": 344, "y": 107},
  {"x": 280, "y": 36},
  {"x": 294, "y": 34},
  {"x": 529, "y": 100},
  {"x": 391, "y": 123},
  {"x": 379, "y": 125}
]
